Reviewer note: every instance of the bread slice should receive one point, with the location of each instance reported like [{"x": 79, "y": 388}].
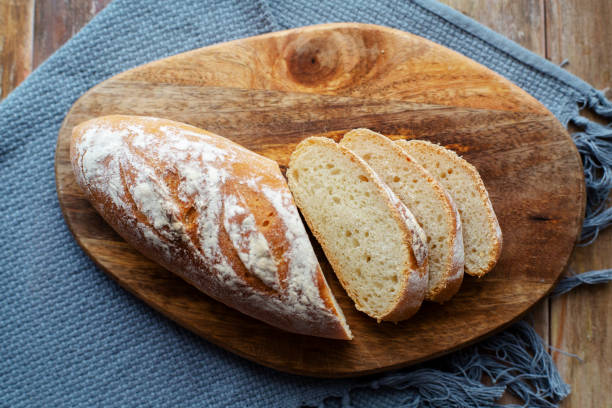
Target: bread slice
[
  {"x": 426, "y": 199},
  {"x": 482, "y": 236},
  {"x": 372, "y": 241}
]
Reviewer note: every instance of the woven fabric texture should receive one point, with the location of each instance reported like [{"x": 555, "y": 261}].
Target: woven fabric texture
[{"x": 69, "y": 335}]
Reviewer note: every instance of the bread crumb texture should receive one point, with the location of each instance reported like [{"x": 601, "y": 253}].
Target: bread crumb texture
[
  {"x": 362, "y": 233},
  {"x": 432, "y": 207}
]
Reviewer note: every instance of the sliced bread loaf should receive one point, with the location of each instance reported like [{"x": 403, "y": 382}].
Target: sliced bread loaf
[
  {"x": 482, "y": 237},
  {"x": 426, "y": 199},
  {"x": 372, "y": 241}
]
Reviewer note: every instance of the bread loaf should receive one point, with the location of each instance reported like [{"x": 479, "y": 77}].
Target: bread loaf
[
  {"x": 372, "y": 241},
  {"x": 431, "y": 205},
  {"x": 482, "y": 236},
  {"x": 216, "y": 214}
]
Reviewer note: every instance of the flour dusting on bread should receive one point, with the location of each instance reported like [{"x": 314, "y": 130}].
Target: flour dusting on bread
[
  {"x": 250, "y": 244},
  {"x": 217, "y": 214}
]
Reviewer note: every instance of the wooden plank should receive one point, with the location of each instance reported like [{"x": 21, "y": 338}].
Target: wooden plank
[
  {"x": 519, "y": 20},
  {"x": 56, "y": 21},
  {"x": 581, "y": 323},
  {"x": 579, "y": 31},
  {"x": 16, "y": 29},
  {"x": 254, "y": 92}
]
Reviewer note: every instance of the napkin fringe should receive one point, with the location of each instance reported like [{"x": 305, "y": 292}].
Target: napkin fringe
[
  {"x": 594, "y": 142},
  {"x": 515, "y": 361},
  {"x": 589, "y": 278}
]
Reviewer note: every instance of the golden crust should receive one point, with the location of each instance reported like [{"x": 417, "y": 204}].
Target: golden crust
[{"x": 250, "y": 293}]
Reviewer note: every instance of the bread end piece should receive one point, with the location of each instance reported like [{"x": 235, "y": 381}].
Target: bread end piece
[{"x": 216, "y": 214}]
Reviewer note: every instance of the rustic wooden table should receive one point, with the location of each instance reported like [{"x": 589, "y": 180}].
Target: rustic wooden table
[{"x": 577, "y": 30}]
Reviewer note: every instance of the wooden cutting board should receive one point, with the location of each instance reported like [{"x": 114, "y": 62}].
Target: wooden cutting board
[{"x": 268, "y": 93}]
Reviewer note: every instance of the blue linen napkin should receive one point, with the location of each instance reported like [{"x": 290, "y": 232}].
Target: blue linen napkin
[{"x": 70, "y": 336}]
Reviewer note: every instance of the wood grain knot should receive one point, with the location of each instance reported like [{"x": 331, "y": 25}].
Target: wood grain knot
[
  {"x": 313, "y": 61},
  {"x": 333, "y": 60}
]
